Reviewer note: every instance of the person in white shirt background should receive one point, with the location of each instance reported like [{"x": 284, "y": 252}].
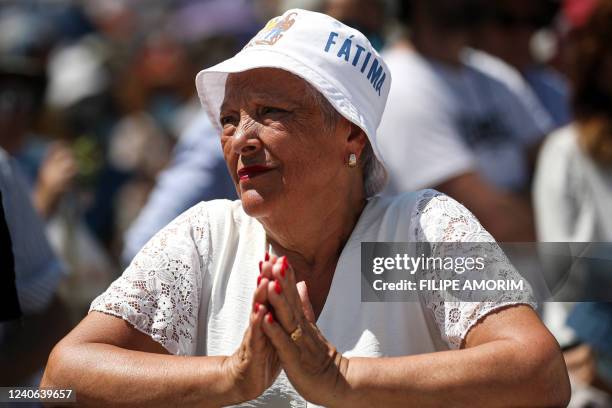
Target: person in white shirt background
[
  {"x": 573, "y": 199},
  {"x": 523, "y": 33},
  {"x": 457, "y": 124}
]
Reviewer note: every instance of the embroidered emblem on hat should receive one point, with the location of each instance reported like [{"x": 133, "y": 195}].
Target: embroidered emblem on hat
[{"x": 273, "y": 31}]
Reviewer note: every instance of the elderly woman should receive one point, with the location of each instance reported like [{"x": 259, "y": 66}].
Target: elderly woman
[{"x": 261, "y": 296}]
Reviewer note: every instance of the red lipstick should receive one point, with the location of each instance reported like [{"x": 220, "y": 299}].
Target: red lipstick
[{"x": 248, "y": 172}]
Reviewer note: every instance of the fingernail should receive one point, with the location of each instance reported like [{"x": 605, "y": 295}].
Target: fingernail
[
  {"x": 267, "y": 257},
  {"x": 277, "y": 287},
  {"x": 256, "y": 307},
  {"x": 259, "y": 279},
  {"x": 284, "y": 266},
  {"x": 270, "y": 318},
  {"x": 260, "y": 263}
]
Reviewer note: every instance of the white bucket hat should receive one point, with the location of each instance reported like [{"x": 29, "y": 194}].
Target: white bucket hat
[{"x": 336, "y": 59}]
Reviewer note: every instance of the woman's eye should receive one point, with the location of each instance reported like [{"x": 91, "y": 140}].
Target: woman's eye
[
  {"x": 269, "y": 109},
  {"x": 227, "y": 120}
]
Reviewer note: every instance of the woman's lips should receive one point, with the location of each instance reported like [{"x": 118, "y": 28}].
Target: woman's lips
[{"x": 248, "y": 172}]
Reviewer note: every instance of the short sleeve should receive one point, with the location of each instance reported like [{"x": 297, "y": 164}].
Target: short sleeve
[
  {"x": 160, "y": 290},
  {"x": 440, "y": 219}
]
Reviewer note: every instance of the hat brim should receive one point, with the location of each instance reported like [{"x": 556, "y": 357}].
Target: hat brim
[{"x": 210, "y": 82}]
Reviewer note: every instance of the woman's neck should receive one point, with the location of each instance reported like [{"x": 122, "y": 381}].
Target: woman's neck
[{"x": 313, "y": 237}]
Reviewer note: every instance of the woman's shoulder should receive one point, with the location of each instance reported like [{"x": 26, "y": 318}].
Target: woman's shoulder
[
  {"x": 199, "y": 215},
  {"x": 226, "y": 212},
  {"x": 218, "y": 210},
  {"x": 224, "y": 219},
  {"x": 411, "y": 202},
  {"x": 214, "y": 219},
  {"x": 431, "y": 216}
]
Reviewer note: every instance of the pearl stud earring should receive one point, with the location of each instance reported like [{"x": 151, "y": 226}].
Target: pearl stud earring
[{"x": 352, "y": 161}]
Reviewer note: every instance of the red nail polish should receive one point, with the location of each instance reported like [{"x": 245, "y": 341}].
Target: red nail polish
[
  {"x": 256, "y": 307},
  {"x": 270, "y": 318},
  {"x": 267, "y": 257},
  {"x": 260, "y": 263},
  {"x": 277, "y": 287},
  {"x": 259, "y": 279},
  {"x": 284, "y": 266}
]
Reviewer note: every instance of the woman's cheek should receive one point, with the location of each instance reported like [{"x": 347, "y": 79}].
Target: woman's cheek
[
  {"x": 226, "y": 146},
  {"x": 231, "y": 159}
]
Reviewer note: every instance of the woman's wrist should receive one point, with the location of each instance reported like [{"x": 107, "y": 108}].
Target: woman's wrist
[
  {"x": 353, "y": 370},
  {"x": 340, "y": 393},
  {"x": 218, "y": 385},
  {"x": 232, "y": 383}
]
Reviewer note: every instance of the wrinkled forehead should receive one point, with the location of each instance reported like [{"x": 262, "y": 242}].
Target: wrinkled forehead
[{"x": 269, "y": 83}]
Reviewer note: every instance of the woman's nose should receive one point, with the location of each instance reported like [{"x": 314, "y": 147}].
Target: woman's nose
[{"x": 246, "y": 138}]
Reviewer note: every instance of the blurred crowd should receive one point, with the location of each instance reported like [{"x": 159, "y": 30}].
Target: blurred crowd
[{"x": 505, "y": 105}]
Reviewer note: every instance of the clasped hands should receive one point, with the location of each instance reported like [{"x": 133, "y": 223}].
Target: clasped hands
[{"x": 282, "y": 334}]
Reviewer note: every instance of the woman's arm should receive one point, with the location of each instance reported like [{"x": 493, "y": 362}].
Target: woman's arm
[
  {"x": 106, "y": 361},
  {"x": 509, "y": 359}
]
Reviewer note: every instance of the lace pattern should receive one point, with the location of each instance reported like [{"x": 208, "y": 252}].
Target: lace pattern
[
  {"x": 439, "y": 219},
  {"x": 159, "y": 292}
]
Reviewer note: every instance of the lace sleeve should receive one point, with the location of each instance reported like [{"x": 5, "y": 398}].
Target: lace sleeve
[
  {"x": 159, "y": 292},
  {"x": 440, "y": 219}
]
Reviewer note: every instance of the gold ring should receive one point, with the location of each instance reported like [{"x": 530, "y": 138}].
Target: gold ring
[{"x": 297, "y": 333}]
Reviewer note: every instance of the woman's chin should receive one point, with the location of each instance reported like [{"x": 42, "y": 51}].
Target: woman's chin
[{"x": 254, "y": 204}]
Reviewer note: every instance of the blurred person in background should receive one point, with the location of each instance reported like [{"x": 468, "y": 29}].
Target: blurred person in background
[
  {"x": 25, "y": 44},
  {"x": 38, "y": 273},
  {"x": 371, "y": 17},
  {"x": 367, "y": 16},
  {"x": 452, "y": 125},
  {"x": 9, "y": 301},
  {"x": 36, "y": 269},
  {"x": 211, "y": 32},
  {"x": 46, "y": 153},
  {"x": 197, "y": 173},
  {"x": 508, "y": 30},
  {"x": 573, "y": 195}
]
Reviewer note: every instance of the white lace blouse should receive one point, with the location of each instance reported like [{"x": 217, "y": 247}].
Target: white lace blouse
[{"x": 190, "y": 288}]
